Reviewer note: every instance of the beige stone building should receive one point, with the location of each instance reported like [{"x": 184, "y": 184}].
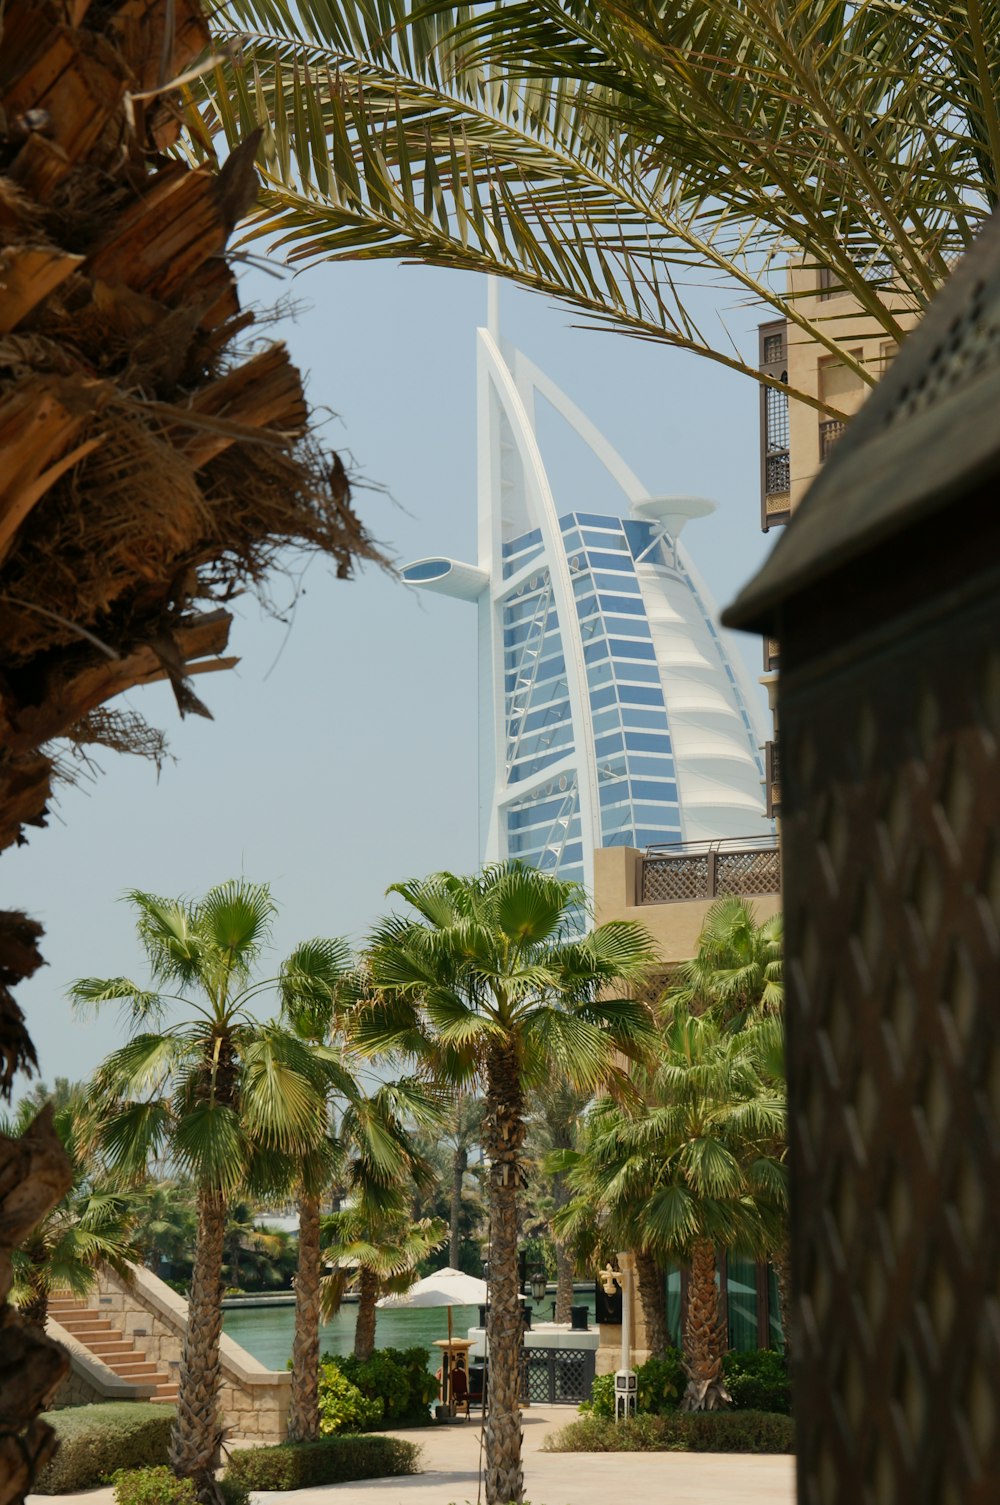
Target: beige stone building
[
  {"x": 795, "y": 438},
  {"x": 668, "y": 890}
]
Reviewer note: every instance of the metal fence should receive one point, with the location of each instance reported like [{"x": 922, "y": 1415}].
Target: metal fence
[
  {"x": 557, "y": 1376},
  {"x": 708, "y": 870}
]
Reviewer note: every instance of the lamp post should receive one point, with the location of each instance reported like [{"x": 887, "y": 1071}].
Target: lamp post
[
  {"x": 625, "y": 1378},
  {"x": 539, "y": 1283}
]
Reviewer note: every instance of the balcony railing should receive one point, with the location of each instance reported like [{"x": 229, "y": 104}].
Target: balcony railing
[
  {"x": 772, "y": 778},
  {"x": 777, "y": 472},
  {"x": 829, "y": 433},
  {"x": 744, "y": 866}
]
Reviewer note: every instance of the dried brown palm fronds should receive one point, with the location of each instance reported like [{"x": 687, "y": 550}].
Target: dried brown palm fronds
[{"x": 151, "y": 465}]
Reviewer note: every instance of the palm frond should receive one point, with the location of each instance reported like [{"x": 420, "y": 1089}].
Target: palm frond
[{"x": 613, "y": 155}]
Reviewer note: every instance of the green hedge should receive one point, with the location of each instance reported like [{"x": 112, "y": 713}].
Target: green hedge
[
  {"x": 757, "y": 1380},
  {"x": 680, "y": 1432},
  {"x": 96, "y": 1441},
  {"x": 332, "y": 1460},
  {"x": 391, "y": 1388}
]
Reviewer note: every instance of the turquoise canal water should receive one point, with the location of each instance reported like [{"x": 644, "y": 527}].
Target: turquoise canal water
[{"x": 266, "y": 1332}]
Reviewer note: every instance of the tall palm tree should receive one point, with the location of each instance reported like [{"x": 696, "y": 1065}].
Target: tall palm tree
[
  {"x": 366, "y": 1142},
  {"x": 232, "y": 1100},
  {"x": 613, "y": 155},
  {"x": 695, "y": 1167},
  {"x": 490, "y": 986}
]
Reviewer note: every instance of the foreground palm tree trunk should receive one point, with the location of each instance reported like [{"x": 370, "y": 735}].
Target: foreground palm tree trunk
[
  {"x": 654, "y": 1302},
  {"x": 196, "y": 1434},
  {"x": 364, "y": 1330},
  {"x": 503, "y": 1136},
  {"x": 704, "y": 1340},
  {"x": 303, "y": 1412}
]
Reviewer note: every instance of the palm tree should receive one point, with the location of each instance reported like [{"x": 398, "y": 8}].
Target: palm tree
[
  {"x": 93, "y": 1224},
  {"x": 366, "y": 1142},
  {"x": 461, "y": 1135},
  {"x": 613, "y": 155},
  {"x": 376, "y": 1244},
  {"x": 490, "y": 985},
  {"x": 695, "y": 1167},
  {"x": 231, "y": 1099},
  {"x": 737, "y": 969},
  {"x": 556, "y": 1114}
]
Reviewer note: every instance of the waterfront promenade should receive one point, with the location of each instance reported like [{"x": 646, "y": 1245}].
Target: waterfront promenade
[{"x": 450, "y": 1475}]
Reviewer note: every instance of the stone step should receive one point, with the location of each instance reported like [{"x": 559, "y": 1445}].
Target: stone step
[
  {"x": 132, "y": 1369},
  {"x": 92, "y": 1330},
  {"x": 109, "y": 1346},
  {"x": 165, "y": 1393}
]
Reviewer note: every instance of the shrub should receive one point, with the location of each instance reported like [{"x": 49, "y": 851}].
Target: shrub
[
  {"x": 332, "y": 1460},
  {"x": 96, "y": 1441},
  {"x": 757, "y": 1380},
  {"x": 342, "y": 1407},
  {"x": 233, "y": 1492},
  {"x": 659, "y": 1387},
  {"x": 398, "y": 1378},
  {"x": 153, "y": 1486},
  {"x": 660, "y": 1383},
  {"x": 680, "y": 1432}
]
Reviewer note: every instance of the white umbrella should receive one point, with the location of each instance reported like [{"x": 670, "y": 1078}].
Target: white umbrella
[{"x": 446, "y": 1287}]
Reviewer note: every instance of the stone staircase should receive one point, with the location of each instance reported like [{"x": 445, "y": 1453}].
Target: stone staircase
[{"x": 118, "y": 1352}]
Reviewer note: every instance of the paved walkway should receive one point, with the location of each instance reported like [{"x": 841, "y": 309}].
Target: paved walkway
[{"x": 450, "y": 1464}]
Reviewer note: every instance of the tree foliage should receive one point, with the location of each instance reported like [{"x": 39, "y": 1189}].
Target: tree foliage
[{"x": 615, "y": 155}]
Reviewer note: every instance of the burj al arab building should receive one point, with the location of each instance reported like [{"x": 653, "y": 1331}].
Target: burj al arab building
[{"x": 609, "y": 710}]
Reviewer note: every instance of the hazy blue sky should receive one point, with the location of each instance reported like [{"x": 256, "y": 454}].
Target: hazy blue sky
[{"x": 342, "y": 755}]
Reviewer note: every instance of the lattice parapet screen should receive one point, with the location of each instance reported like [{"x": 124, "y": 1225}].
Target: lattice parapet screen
[
  {"x": 748, "y": 872},
  {"x": 892, "y": 849},
  {"x": 706, "y": 875},
  {"x": 669, "y": 878}
]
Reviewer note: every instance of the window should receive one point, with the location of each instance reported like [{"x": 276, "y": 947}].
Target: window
[
  {"x": 633, "y": 716},
  {"x": 649, "y": 789},
  {"x": 647, "y": 741},
  {"x": 627, "y": 604},
  {"x": 640, "y": 695},
  {"x": 629, "y": 649}
]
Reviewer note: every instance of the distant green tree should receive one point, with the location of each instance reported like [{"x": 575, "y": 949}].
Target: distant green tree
[{"x": 92, "y": 1224}]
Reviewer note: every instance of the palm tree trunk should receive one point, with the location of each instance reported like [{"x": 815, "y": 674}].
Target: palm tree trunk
[
  {"x": 654, "y": 1302},
  {"x": 196, "y": 1433},
  {"x": 364, "y": 1330},
  {"x": 565, "y": 1270},
  {"x": 303, "y": 1412},
  {"x": 783, "y": 1272},
  {"x": 704, "y": 1341},
  {"x": 460, "y": 1165},
  {"x": 503, "y": 1136}
]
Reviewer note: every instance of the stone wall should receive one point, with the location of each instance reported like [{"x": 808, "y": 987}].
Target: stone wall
[{"x": 253, "y": 1400}]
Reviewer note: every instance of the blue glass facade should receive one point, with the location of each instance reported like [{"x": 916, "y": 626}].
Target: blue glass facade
[
  {"x": 609, "y": 711},
  {"x": 635, "y": 766}
]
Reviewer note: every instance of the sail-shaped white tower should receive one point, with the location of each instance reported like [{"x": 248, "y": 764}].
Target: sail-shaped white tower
[{"x": 610, "y": 712}]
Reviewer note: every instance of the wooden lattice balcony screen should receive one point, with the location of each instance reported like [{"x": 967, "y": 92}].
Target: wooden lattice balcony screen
[
  {"x": 707, "y": 871},
  {"x": 885, "y": 595}
]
